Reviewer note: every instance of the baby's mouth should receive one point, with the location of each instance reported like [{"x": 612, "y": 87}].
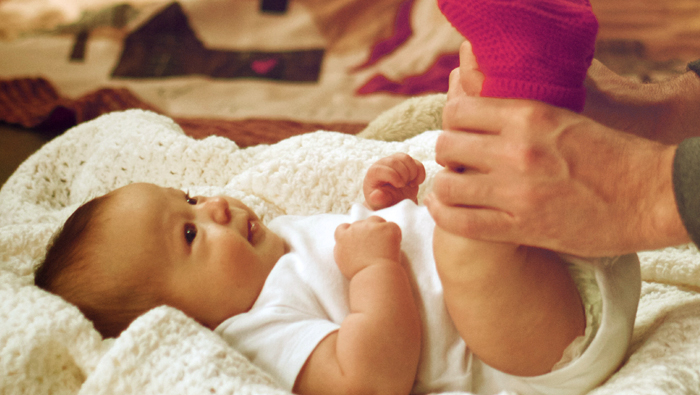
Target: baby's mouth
[{"x": 253, "y": 227}]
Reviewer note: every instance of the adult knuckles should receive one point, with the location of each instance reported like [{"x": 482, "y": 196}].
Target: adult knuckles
[
  {"x": 529, "y": 113},
  {"x": 454, "y": 111},
  {"x": 442, "y": 143},
  {"x": 470, "y": 228},
  {"x": 526, "y": 147},
  {"x": 528, "y": 158},
  {"x": 444, "y": 188},
  {"x": 448, "y": 149},
  {"x": 465, "y": 225}
]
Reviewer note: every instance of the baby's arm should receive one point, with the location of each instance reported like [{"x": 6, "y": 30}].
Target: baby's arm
[
  {"x": 391, "y": 180},
  {"x": 516, "y": 307},
  {"x": 377, "y": 347}
]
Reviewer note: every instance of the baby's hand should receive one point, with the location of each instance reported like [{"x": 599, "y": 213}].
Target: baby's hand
[
  {"x": 365, "y": 242},
  {"x": 391, "y": 180}
]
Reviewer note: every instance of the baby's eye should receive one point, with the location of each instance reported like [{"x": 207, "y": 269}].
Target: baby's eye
[
  {"x": 190, "y": 233},
  {"x": 190, "y": 199}
]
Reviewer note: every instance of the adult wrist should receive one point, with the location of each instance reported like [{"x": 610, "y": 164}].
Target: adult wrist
[
  {"x": 684, "y": 99},
  {"x": 625, "y": 104}
]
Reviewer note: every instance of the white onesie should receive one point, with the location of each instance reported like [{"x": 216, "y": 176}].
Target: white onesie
[{"x": 305, "y": 298}]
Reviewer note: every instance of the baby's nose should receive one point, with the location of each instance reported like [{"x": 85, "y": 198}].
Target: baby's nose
[{"x": 218, "y": 210}]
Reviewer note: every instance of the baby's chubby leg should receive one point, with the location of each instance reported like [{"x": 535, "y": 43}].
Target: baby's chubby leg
[{"x": 516, "y": 307}]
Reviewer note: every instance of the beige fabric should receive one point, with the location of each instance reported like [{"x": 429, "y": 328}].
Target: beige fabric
[{"x": 346, "y": 29}]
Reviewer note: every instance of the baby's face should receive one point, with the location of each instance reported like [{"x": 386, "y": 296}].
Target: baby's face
[{"x": 207, "y": 256}]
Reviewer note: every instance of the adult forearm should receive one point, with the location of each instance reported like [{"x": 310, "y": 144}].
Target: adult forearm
[
  {"x": 683, "y": 118},
  {"x": 664, "y": 111}
]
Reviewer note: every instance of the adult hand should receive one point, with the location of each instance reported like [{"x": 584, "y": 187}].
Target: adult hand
[{"x": 528, "y": 173}]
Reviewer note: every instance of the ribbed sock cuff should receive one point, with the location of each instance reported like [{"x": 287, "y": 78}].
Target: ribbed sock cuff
[{"x": 571, "y": 98}]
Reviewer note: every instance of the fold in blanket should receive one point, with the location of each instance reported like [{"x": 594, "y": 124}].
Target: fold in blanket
[
  {"x": 46, "y": 345},
  {"x": 36, "y": 103}
]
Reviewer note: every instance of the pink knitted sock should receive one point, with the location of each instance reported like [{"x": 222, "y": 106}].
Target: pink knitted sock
[{"x": 531, "y": 49}]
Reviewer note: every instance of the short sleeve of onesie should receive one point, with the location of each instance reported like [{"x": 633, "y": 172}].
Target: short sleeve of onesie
[{"x": 289, "y": 336}]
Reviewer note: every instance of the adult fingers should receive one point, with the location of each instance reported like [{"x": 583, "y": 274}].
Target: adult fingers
[
  {"x": 467, "y": 60},
  {"x": 476, "y": 223},
  {"x": 486, "y": 114},
  {"x": 460, "y": 151},
  {"x": 471, "y": 78},
  {"x": 466, "y": 189},
  {"x": 454, "y": 88}
]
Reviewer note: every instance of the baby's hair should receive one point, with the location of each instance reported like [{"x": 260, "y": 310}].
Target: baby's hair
[{"x": 71, "y": 270}]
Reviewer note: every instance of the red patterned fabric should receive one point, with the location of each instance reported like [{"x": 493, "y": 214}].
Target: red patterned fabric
[
  {"x": 35, "y": 103},
  {"x": 532, "y": 49},
  {"x": 402, "y": 32},
  {"x": 435, "y": 80}
]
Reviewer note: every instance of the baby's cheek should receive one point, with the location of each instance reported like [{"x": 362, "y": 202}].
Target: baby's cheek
[{"x": 232, "y": 254}]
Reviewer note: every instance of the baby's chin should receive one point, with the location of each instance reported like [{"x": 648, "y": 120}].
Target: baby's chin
[
  {"x": 277, "y": 247},
  {"x": 282, "y": 249}
]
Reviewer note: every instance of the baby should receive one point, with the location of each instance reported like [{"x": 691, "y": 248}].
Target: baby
[{"x": 346, "y": 303}]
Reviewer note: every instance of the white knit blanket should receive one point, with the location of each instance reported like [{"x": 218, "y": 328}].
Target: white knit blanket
[{"x": 47, "y": 346}]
